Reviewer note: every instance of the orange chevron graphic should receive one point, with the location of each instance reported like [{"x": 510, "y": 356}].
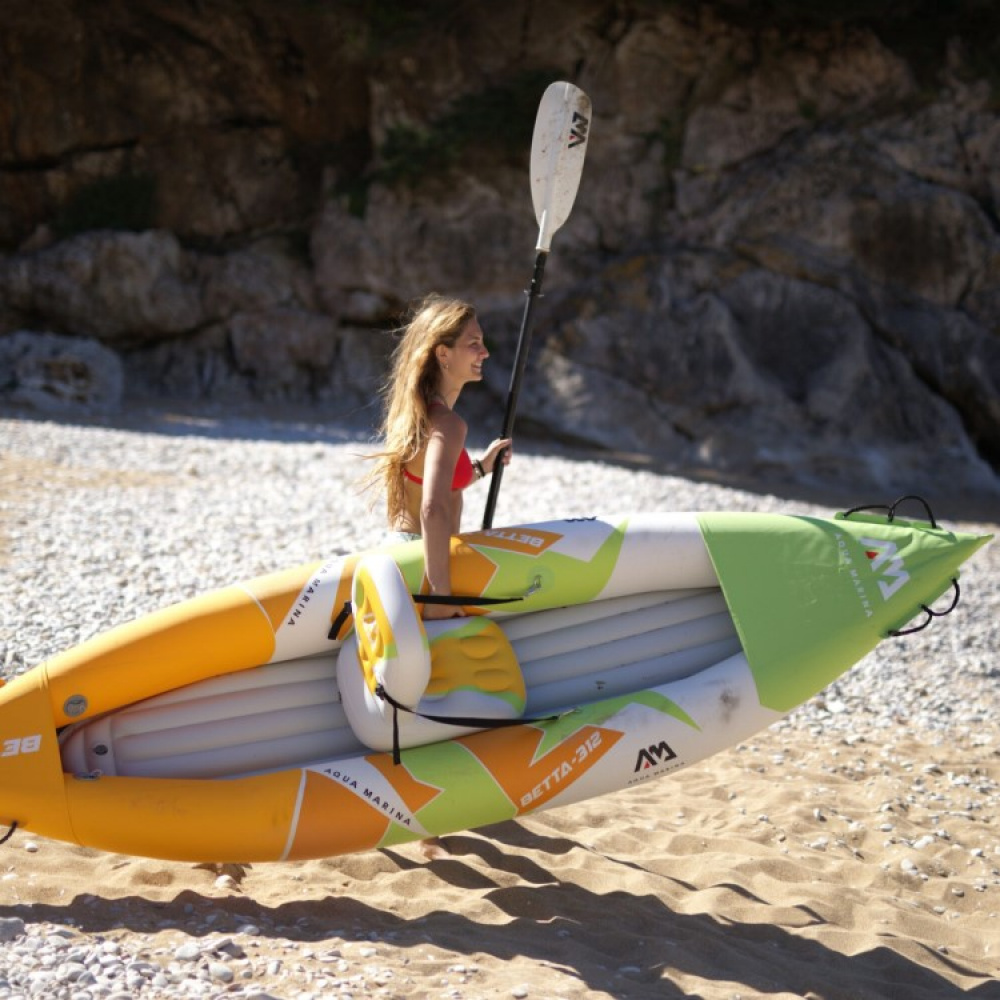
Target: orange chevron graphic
[
  {"x": 471, "y": 571},
  {"x": 329, "y": 814},
  {"x": 528, "y": 541},
  {"x": 416, "y": 794},
  {"x": 529, "y": 780}
]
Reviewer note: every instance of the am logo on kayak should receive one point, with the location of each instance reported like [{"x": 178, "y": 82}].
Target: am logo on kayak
[
  {"x": 651, "y": 756},
  {"x": 887, "y": 564}
]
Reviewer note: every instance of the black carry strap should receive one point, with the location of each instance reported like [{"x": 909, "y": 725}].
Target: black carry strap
[
  {"x": 456, "y": 600},
  {"x": 464, "y": 721}
]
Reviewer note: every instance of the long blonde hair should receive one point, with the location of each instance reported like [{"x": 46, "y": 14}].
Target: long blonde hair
[{"x": 413, "y": 380}]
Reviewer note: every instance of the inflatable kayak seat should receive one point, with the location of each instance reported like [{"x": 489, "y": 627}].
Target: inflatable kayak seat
[
  {"x": 471, "y": 659},
  {"x": 396, "y": 669}
]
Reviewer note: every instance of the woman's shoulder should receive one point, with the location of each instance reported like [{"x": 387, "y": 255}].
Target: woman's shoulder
[{"x": 447, "y": 421}]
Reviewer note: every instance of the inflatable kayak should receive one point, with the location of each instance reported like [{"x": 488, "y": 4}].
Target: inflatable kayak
[{"x": 313, "y": 712}]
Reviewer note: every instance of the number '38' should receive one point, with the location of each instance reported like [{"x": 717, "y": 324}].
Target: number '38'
[{"x": 26, "y": 744}]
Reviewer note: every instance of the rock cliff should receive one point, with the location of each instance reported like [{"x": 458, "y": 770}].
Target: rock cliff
[{"x": 783, "y": 259}]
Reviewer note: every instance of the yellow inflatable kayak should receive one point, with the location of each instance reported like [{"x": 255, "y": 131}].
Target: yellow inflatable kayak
[{"x": 312, "y": 712}]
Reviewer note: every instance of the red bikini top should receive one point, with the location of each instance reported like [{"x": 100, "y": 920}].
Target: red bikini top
[{"x": 464, "y": 475}]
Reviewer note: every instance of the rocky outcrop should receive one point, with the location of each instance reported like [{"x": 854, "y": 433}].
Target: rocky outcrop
[
  {"x": 783, "y": 260},
  {"x": 54, "y": 374}
]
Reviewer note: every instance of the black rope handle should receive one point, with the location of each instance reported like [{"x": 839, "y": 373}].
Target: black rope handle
[
  {"x": 931, "y": 614},
  {"x": 891, "y": 508},
  {"x": 9, "y": 833}
]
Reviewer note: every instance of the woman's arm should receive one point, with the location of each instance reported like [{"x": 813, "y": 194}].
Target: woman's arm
[{"x": 489, "y": 457}]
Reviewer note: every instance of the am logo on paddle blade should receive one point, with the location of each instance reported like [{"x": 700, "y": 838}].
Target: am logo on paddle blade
[
  {"x": 650, "y": 756},
  {"x": 578, "y": 130}
]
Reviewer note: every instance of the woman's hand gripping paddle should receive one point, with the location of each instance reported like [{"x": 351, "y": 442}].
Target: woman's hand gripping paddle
[{"x": 558, "y": 148}]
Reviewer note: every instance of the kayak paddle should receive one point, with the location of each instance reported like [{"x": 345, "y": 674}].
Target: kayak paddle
[{"x": 558, "y": 148}]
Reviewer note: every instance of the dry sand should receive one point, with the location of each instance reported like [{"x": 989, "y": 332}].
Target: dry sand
[{"x": 843, "y": 864}]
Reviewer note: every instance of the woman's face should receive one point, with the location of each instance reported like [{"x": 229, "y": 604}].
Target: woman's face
[{"x": 464, "y": 362}]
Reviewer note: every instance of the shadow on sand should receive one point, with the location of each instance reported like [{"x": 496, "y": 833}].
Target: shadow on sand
[{"x": 619, "y": 943}]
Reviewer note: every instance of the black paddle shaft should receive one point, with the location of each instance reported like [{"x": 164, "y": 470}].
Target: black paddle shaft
[{"x": 520, "y": 359}]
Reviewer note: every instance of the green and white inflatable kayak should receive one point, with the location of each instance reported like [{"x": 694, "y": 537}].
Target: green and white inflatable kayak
[{"x": 272, "y": 721}]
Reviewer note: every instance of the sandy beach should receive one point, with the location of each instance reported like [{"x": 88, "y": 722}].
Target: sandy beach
[{"x": 851, "y": 852}]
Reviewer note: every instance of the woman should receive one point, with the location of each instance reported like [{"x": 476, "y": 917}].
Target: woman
[{"x": 425, "y": 467}]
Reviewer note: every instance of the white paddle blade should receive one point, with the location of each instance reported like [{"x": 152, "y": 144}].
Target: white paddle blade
[{"x": 558, "y": 148}]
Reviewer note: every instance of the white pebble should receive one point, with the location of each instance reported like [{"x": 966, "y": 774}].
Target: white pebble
[
  {"x": 188, "y": 952},
  {"x": 220, "y": 971}
]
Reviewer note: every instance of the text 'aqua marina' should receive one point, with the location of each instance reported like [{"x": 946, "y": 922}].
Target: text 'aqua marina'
[
  {"x": 304, "y": 598},
  {"x": 373, "y": 798},
  {"x": 848, "y": 563}
]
